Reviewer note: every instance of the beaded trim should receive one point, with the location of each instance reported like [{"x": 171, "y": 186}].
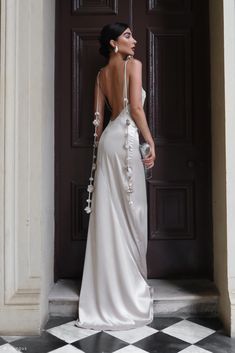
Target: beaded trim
[{"x": 96, "y": 123}]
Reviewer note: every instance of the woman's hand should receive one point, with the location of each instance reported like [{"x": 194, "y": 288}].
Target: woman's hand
[{"x": 150, "y": 158}]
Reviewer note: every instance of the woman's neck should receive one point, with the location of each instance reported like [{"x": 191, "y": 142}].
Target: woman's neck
[{"x": 116, "y": 58}]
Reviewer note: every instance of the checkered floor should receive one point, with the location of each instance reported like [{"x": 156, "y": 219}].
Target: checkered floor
[{"x": 163, "y": 335}]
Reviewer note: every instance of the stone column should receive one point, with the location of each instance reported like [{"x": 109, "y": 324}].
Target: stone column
[
  {"x": 26, "y": 164},
  {"x": 229, "y": 73},
  {"x": 222, "y": 35}
]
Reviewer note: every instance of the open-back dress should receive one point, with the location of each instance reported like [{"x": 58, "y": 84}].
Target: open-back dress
[{"x": 114, "y": 292}]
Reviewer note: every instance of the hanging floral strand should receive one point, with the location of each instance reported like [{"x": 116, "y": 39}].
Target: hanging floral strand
[{"x": 96, "y": 123}]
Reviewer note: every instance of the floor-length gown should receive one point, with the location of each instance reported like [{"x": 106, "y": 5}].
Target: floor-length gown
[{"x": 114, "y": 292}]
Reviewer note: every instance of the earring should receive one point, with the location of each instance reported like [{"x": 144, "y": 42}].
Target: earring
[{"x": 116, "y": 49}]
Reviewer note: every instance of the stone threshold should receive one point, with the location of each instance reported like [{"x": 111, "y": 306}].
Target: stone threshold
[{"x": 172, "y": 297}]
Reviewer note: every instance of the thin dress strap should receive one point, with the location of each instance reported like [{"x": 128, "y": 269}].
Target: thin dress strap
[
  {"x": 125, "y": 99},
  {"x": 98, "y": 91},
  {"x": 96, "y": 123}
]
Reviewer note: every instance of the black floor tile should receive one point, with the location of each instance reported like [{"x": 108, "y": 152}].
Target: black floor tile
[
  {"x": 162, "y": 343},
  {"x": 2, "y": 341},
  {"x": 57, "y": 321},
  {"x": 38, "y": 344},
  {"x": 218, "y": 342},
  {"x": 213, "y": 323},
  {"x": 159, "y": 342},
  {"x": 99, "y": 343},
  {"x": 159, "y": 323}
]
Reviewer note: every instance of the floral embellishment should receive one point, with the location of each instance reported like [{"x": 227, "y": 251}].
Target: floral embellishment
[
  {"x": 129, "y": 171},
  {"x": 128, "y": 147},
  {"x": 130, "y": 190},
  {"x": 87, "y": 209},
  {"x": 126, "y": 100},
  {"x": 90, "y": 188},
  {"x": 96, "y": 123}
]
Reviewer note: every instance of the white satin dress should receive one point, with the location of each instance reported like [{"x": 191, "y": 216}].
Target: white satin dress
[{"x": 114, "y": 291}]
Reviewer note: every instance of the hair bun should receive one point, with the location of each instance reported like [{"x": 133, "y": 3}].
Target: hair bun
[
  {"x": 104, "y": 50},
  {"x": 108, "y": 32}
]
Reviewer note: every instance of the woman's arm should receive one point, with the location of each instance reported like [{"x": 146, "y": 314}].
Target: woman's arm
[
  {"x": 136, "y": 108},
  {"x": 99, "y": 103}
]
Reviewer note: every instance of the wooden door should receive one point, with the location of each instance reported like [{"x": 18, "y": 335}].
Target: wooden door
[{"x": 173, "y": 45}]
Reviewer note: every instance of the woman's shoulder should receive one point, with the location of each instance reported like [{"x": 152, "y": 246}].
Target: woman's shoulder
[
  {"x": 135, "y": 62},
  {"x": 135, "y": 65}
]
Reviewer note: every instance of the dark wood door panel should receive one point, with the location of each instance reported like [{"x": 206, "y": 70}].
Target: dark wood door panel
[
  {"x": 176, "y": 51},
  {"x": 173, "y": 45}
]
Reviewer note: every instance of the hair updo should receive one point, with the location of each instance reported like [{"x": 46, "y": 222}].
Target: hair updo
[{"x": 108, "y": 32}]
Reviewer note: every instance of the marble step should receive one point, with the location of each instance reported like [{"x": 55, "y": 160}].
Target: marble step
[{"x": 180, "y": 297}]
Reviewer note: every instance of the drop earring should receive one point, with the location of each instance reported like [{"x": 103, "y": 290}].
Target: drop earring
[{"x": 116, "y": 49}]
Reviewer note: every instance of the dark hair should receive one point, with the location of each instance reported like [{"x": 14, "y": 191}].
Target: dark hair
[{"x": 108, "y": 32}]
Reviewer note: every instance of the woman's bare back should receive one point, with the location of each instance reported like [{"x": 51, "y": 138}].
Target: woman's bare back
[{"x": 112, "y": 85}]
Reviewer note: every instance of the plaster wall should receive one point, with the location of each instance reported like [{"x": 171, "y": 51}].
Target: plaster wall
[
  {"x": 222, "y": 45},
  {"x": 229, "y": 78}
]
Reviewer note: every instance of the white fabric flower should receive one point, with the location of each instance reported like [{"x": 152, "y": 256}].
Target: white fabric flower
[
  {"x": 87, "y": 209},
  {"x": 129, "y": 171},
  {"x": 96, "y": 122},
  {"x": 130, "y": 189},
  {"x": 90, "y": 188}
]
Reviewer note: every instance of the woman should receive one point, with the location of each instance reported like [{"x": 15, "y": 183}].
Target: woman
[{"x": 114, "y": 292}]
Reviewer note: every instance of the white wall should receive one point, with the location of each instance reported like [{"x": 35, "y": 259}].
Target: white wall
[
  {"x": 229, "y": 74},
  {"x": 222, "y": 35},
  {"x": 47, "y": 150}
]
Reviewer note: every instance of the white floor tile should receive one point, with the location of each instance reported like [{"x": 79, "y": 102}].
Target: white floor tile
[
  {"x": 130, "y": 349},
  {"x": 12, "y": 338},
  {"x": 67, "y": 349},
  {"x": 133, "y": 335},
  {"x": 7, "y": 348},
  {"x": 188, "y": 331},
  {"x": 70, "y": 333},
  {"x": 194, "y": 349}
]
